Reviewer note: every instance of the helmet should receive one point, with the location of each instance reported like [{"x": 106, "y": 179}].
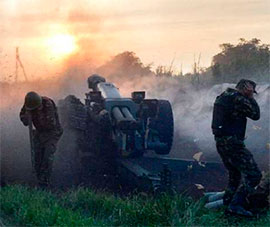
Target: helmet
[
  {"x": 32, "y": 100},
  {"x": 94, "y": 80},
  {"x": 242, "y": 83}
]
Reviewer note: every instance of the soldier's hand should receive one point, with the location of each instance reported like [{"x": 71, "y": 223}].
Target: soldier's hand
[
  {"x": 248, "y": 90},
  {"x": 25, "y": 121},
  {"x": 104, "y": 114}
]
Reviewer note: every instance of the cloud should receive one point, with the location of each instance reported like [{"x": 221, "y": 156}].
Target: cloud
[
  {"x": 154, "y": 29},
  {"x": 79, "y": 16},
  {"x": 36, "y": 17}
]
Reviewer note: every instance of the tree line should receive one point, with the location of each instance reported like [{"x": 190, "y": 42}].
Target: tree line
[{"x": 248, "y": 59}]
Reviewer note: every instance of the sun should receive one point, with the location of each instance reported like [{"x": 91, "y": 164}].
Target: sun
[{"x": 61, "y": 45}]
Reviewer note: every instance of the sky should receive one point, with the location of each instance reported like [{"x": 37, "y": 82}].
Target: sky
[{"x": 92, "y": 31}]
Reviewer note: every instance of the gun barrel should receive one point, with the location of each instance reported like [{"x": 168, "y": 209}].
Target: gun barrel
[
  {"x": 118, "y": 114},
  {"x": 127, "y": 114},
  {"x": 108, "y": 90},
  {"x": 124, "y": 118}
]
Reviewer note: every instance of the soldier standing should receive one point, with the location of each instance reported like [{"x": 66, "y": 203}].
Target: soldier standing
[
  {"x": 231, "y": 110},
  {"x": 42, "y": 112}
]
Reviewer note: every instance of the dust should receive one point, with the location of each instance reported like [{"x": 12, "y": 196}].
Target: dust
[
  {"x": 14, "y": 138},
  {"x": 192, "y": 117},
  {"x": 192, "y": 108}
]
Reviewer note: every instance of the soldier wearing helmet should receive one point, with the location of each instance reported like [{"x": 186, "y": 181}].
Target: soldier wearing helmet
[
  {"x": 43, "y": 114},
  {"x": 231, "y": 110}
]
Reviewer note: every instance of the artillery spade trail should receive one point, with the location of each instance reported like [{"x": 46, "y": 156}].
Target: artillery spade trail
[{"x": 145, "y": 174}]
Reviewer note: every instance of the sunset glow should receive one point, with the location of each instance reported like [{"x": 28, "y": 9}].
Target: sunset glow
[
  {"x": 61, "y": 45},
  {"x": 49, "y": 32}
]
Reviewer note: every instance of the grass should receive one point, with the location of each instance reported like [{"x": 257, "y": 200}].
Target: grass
[{"x": 26, "y": 206}]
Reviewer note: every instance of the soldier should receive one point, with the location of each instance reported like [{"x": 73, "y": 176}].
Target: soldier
[
  {"x": 43, "y": 113},
  {"x": 231, "y": 110}
]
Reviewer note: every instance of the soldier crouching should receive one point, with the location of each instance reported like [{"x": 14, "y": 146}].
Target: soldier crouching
[
  {"x": 42, "y": 112},
  {"x": 231, "y": 110}
]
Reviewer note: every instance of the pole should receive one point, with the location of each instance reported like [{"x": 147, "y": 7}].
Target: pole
[
  {"x": 16, "y": 71},
  {"x": 18, "y": 61},
  {"x": 30, "y": 127}
]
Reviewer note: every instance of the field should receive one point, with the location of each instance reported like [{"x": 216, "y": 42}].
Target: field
[{"x": 24, "y": 206}]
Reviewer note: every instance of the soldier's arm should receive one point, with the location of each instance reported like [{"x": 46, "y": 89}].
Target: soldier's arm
[
  {"x": 50, "y": 115},
  {"x": 24, "y": 116},
  {"x": 248, "y": 107}
]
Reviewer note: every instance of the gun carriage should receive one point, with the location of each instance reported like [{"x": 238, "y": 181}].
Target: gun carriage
[
  {"x": 114, "y": 130},
  {"x": 113, "y": 134}
]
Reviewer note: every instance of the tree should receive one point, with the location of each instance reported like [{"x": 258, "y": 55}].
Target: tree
[
  {"x": 162, "y": 71},
  {"x": 125, "y": 65},
  {"x": 247, "y": 59}
]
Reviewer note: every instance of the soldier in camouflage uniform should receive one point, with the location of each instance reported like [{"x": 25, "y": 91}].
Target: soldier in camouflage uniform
[
  {"x": 231, "y": 110},
  {"x": 48, "y": 131}
]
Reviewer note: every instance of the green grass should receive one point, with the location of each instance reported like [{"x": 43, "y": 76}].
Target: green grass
[{"x": 82, "y": 207}]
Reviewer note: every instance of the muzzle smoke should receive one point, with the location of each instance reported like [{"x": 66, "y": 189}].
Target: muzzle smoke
[{"x": 192, "y": 115}]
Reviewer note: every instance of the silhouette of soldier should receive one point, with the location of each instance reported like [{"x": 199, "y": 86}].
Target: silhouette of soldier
[
  {"x": 42, "y": 112},
  {"x": 231, "y": 110}
]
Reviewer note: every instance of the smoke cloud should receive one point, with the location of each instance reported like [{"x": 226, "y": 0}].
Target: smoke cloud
[
  {"x": 192, "y": 116},
  {"x": 192, "y": 109}
]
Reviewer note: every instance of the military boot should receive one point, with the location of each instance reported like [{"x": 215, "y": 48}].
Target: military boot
[
  {"x": 237, "y": 206},
  {"x": 43, "y": 182},
  {"x": 43, "y": 186},
  {"x": 228, "y": 196}
]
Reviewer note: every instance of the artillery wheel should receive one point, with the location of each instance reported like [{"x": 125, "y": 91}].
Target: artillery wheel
[{"x": 165, "y": 126}]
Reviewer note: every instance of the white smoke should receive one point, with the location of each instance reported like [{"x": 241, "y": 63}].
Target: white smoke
[
  {"x": 192, "y": 116},
  {"x": 192, "y": 108}
]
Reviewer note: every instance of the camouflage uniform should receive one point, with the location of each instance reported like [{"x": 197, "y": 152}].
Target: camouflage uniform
[
  {"x": 261, "y": 198},
  {"x": 48, "y": 132},
  {"x": 231, "y": 110}
]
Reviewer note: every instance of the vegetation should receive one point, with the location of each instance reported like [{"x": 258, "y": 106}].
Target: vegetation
[
  {"x": 81, "y": 207},
  {"x": 125, "y": 65},
  {"x": 249, "y": 59}
]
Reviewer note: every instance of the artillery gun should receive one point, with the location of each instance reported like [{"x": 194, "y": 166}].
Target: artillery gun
[
  {"x": 112, "y": 135},
  {"x": 112, "y": 131}
]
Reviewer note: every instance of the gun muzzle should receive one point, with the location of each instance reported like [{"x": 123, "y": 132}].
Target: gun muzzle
[{"x": 124, "y": 119}]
